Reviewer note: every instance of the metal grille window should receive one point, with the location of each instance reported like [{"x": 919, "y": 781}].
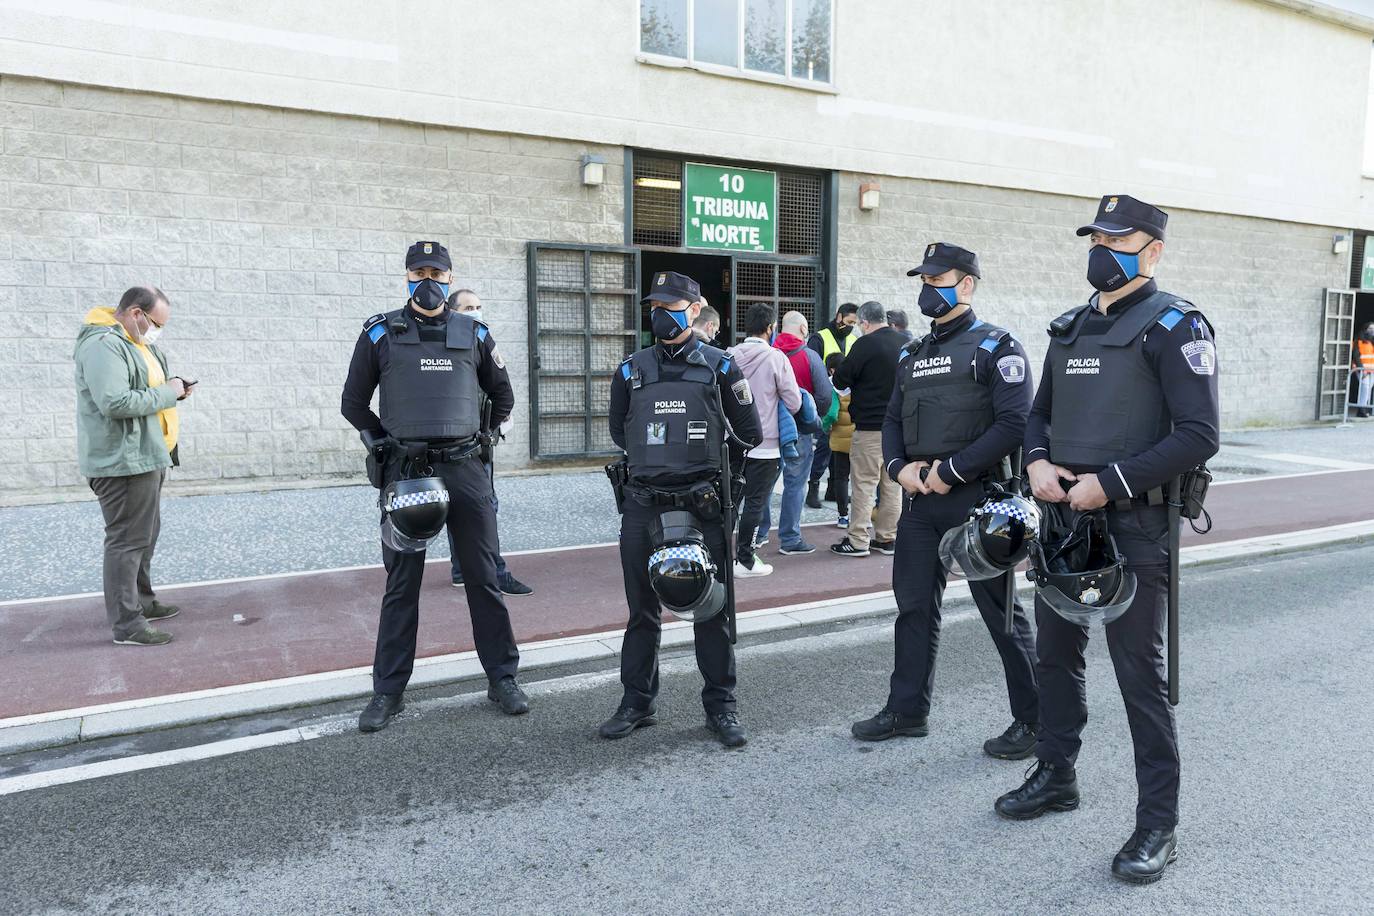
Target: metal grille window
[
  {"x": 657, "y": 201},
  {"x": 799, "y": 213},
  {"x": 583, "y": 323},
  {"x": 1357, "y": 250},
  {"x": 785, "y": 287}
]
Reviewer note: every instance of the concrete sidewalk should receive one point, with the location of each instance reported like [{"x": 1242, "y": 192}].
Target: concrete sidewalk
[{"x": 254, "y": 644}]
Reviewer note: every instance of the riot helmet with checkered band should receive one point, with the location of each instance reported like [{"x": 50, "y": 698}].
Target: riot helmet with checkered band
[
  {"x": 1077, "y": 569},
  {"x": 414, "y": 511},
  {"x": 681, "y": 570},
  {"x": 997, "y": 536}
]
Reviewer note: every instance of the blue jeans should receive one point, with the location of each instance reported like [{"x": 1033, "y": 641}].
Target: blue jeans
[
  {"x": 795, "y": 476},
  {"x": 821, "y": 462},
  {"x": 456, "y": 571}
]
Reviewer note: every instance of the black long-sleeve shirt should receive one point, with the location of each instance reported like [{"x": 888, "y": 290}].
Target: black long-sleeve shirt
[
  {"x": 369, "y": 359},
  {"x": 1008, "y": 382},
  {"x": 1190, "y": 395},
  {"x": 868, "y": 371},
  {"x": 734, "y": 398}
]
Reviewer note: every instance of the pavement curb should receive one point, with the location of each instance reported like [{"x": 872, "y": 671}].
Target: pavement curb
[{"x": 70, "y": 726}]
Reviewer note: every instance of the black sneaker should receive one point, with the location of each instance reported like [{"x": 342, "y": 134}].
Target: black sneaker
[
  {"x": 846, "y": 548},
  {"x": 801, "y": 547},
  {"x": 887, "y": 547},
  {"x": 727, "y": 729},
  {"x": 1145, "y": 856},
  {"x": 156, "y": 610},
  {"x": 148, "y": 636},
  {"x": 380, "y": 710},
  {"x": 510, "y": 585},
  {"x": 1047, "y": 788},
  {"x": 888, "y": 724},
  {"x": 1016, "y": 743},
  {"x": 626, "y": 720},
  {"x": 458, "y": 580},
  {"x": 508, "y": 693}
]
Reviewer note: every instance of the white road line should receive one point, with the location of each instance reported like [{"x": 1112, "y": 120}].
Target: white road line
[
  {"x": 1268, "y": 477},
  {"x": 1316, "y": 462}
]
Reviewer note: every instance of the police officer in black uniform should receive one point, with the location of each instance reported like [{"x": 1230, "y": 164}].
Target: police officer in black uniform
[
  {"x": 957, "y": 412},
  {"x": 432, "y": 365},
  {"x": 666, "y": 413},
  {"x": 1128, "y": 401}
]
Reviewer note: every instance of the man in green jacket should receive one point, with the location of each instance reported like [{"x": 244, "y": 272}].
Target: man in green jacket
[{"x": 126, "y": 438}]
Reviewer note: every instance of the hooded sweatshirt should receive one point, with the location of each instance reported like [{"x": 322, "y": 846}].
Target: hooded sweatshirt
[
  {"x": 126, "y": 417},
  {"x": 771, "y": 381}
]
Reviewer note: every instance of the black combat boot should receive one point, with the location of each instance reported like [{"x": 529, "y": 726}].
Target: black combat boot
[
  {"x": 1145, "y": 856},
  {"x": 380, "y": 711},
  {"x": 888, "y": 724},
  {"x": 626, "y": 720},
  {"x": 727, "y": 728},
  {"x": 1047, "y": 788},
  {"x": 1016, "y": 743}
]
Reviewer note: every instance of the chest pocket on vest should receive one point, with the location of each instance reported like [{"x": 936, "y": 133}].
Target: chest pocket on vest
[{"x": 940, "y": 420}]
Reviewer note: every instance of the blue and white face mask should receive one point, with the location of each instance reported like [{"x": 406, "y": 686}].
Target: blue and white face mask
[
  {"x": 667, "y": 324},
  {"x": 937, "y": 301}
]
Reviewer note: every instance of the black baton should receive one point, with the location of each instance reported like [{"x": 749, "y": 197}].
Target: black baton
[{"x": 1175, "y": 505}]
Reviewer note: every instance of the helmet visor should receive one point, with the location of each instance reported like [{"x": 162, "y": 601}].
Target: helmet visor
[
  {"x": 1089, "y": 604},
  {"x": 683, "y": 576},
  {"x": 961, "y": 550},
  {"x": 403, "y": 543}
]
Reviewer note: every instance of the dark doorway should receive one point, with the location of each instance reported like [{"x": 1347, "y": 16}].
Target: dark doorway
[{"x": 710, "y": 270}]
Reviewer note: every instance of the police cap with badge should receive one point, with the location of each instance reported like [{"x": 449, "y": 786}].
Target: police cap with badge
[
  {"x": 1121, "y": 214},
  {"x": 669, "y": 286},
  {"x": 941, "y": 257}
]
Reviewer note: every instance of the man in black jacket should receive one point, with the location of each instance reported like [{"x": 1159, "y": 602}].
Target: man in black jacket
[{"x": 869, "y": 372}]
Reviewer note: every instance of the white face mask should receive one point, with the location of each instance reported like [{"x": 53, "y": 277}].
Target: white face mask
[
  {"x": 151, "y": 335},
  {"x": 475, "y": 314}
]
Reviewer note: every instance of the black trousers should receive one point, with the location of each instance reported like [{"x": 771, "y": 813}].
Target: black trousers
[
  {"x": 639, "y": 654},
  {"x": 760, "y": 474},
  {"x": 839, "y": 479},
  {"x": 918, "y": 579},
  {"x": 472, "y": 516},
  {"x": 1136, "y": 643}
]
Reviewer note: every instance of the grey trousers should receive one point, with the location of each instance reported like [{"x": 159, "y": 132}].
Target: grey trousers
[{"x": 133, "y": 517}]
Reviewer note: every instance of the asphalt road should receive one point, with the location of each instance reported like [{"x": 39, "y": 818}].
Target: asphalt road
[{"x": 457, "y": 809}]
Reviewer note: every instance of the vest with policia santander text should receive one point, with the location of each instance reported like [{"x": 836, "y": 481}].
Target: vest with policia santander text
[
  {"x": 429, "y": 387},
  {"x": 945, "y": 407},
  {"x": 1108, "y": 402},
  {"x": 674, "y": 429}
]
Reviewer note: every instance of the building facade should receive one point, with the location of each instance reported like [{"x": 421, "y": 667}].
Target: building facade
[{"x": 267, "y": 168}]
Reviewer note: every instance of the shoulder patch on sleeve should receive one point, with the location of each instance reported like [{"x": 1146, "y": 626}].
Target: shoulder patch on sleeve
[
  {"x": 625, "y": 370},
  {"x": 375, "y": 327},
  {"x": 481, "y": 332},
  {"x": 743, "y": 394},
  {"x": 724, "y": 366},
  {"x": 1201, "y": 356},
  {"x": 993, "y": 340},
  {"x": 1012, "y": 368}
]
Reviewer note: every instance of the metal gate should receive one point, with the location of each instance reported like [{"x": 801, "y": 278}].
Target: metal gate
[
  {"x": 583, "y": 321},
  {"x": 1338, "y": 332},
  {"x": 786, "y": 287}
]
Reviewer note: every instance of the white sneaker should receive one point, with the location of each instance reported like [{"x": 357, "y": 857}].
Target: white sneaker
[{"x": 759, "y": 568}]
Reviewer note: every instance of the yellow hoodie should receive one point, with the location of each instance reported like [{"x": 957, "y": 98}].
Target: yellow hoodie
[{"x": 102, "y": 317}]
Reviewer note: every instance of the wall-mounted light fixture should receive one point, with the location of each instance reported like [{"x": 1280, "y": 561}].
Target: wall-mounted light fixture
[
  {"x": 1340, "y": 243},
  {"x": 869, "y": 195},
  {"x": 593, "y": 169}
]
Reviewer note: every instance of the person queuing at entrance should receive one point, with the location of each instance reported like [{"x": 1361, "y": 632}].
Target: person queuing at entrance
[
  {"x": 869, "y": 372},
  {"x": 835, "y": 338},
  {"x": 1363, "y": 359},
  {"x": 467, "y": 302},
  {"x": 899, "y": 322},
  {"x": 841, "y": 432},
  {"x": 957, "y": 410},
  {"x": 430, "y": 364},
  {"x": 771, "y": 382},
  {"x": 809, "y": 371},
  {"x": 707, "y": 324},
  {"x": 1127, "y": 401},
  {"x": 126, "y": 437}
]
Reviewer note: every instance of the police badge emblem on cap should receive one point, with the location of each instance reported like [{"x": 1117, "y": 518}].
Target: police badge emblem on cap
[
  {"x": 662, "y": 278},
  {"x": 930, "y": 252},
  {"x": 1111, "y": 205}
]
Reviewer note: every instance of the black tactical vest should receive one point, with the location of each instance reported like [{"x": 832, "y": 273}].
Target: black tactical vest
[
  {"x": 1108, "y": 403},
  {"x": 429, "y": 387},
  {"x": 674, "y": 429},
  {"x": 944, "y": 406}
]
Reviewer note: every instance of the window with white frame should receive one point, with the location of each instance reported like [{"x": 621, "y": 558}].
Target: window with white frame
[{"x": 789, "y": 40}]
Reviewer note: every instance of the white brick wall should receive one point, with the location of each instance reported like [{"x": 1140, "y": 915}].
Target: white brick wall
[
  {"x": 1258, "y": 281},
  {"x": 274, "y": 233}
]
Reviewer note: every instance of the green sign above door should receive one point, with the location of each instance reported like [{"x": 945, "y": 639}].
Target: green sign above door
[
  {"x": 1367, "y": 271},
  {"x": 730, "y": 209}
]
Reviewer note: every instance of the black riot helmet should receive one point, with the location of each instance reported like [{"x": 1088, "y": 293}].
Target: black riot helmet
[
  {"x": 414, "y": 511},
  {"x": 681, "y": 571},
  {"x": 997, "y": 536},
  {"x": 1077, "y": 569}
]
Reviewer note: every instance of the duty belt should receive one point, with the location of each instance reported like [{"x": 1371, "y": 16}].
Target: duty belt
[
  {"x": 678, "y": 499},
  {"x": 449, "y": 454},
  {"x": 1153, "y": 497}
]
